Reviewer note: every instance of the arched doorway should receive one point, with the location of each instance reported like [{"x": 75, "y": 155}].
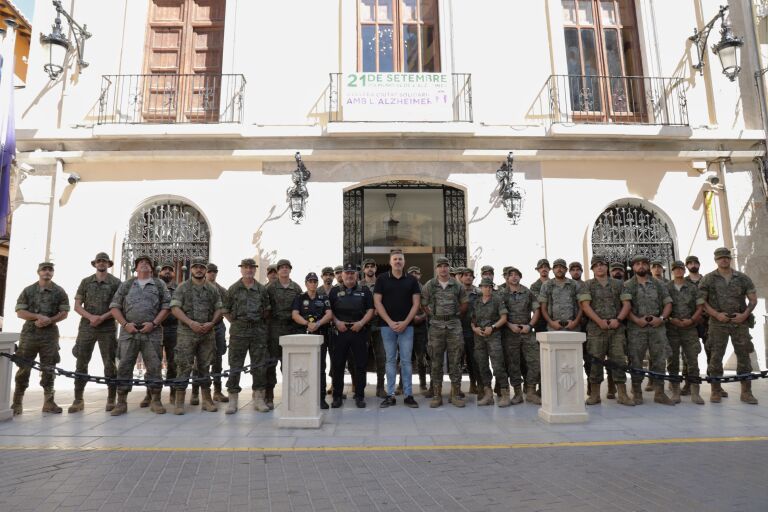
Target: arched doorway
[
  {"x": 628, "y": 228},
  {"x": 168, "y": 231},
  {"x": 426, "y": 220}
]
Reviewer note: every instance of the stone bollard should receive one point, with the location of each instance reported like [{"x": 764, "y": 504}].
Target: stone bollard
[
  {"x": 7, "y": 342},
  {"x": 300, "y": 407},
  {"x": 562, "y": 377}
]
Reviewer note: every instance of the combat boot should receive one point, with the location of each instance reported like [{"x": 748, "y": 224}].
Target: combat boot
[
  {"x": 172, "y": 396},
  {"x": 232, "y": 406},
  {"x": 78, "y": 404},
  {"x": 456, "y": 400},
  {"x": 380, "y": 391},
  {"x": 487, "y": 398},
  {"x": 195, "y": 398},
  {"x": 746, "y": 393},
  {"x": 686, "y": 390},
  {"x": 430, "y": 392},
  {"x": 122, "y": 404},
  {"x": 422, "y": 380},
  {"x": 637, "y": 393},
  {"x": 715, "y": 392},
  {"x": 146, "y": 400},
  {"x": 659, "y": 396},
  {"x": 623, "y": 398},
  {"x": 723, "y": 392},
  {"x": 504, "y": 401},
  {"x": 178, "y": 404},
  {"x": 518, "y": 396},
  {"x": 674, "y": 388},
  {"x": 218, "y": 396},
  {"x": 269, "y": 398},
  {"x": 208, "y": 404},
  {"x": 259, "y": 404},
  {"x": 649, "y": 386},
  {"x": 594, "y": 394},
  {"x": 472, "y": 387},
  {"x": 18, "y": 399},
  {"x": 695, "y": 396},
  {"x": 49, "y": 405},
  {"x": 156, "y": 406},
  {"x": 611, "y": 387},
  {"x": 437, "y": 398},
  {"x": 531, "y": 396},
  {"x": 111, "y": 392},
  {"x": 497, "y": 387}
]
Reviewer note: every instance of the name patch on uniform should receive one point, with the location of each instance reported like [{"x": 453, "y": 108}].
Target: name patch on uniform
[
  {"x": 306, "y": 303},
  {"x": 341, "y": 294}
]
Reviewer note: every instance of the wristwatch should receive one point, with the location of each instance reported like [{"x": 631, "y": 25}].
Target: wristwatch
[{"x": 661, "y": 317}]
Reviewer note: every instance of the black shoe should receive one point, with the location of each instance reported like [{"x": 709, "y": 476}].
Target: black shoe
[
  {"x": 360, "y": 403},
  {"x": 390, "y": 400},
  {"x": 410, "y": 402},
  {"x": 337, "y": 402},
  {"x": 323, "y": 404},
  {"x": 344, "y": 396}
]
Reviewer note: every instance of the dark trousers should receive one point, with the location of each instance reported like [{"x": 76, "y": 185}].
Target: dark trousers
[{"x": 345, "y": 343}]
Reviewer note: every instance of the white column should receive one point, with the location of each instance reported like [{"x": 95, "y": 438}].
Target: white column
[
  {"x": 7, "y": 341},
  {"x": 562, "y": 378},
  {"x": 300, "y": 406}
]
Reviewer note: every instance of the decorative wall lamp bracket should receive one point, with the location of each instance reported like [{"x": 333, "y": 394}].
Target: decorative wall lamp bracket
[
  {"x": 728, "y": 49},
  {"x": 511, "y": 196},
  {"x": 58, "y": 44},
  {"x": 298, "y": 194}
]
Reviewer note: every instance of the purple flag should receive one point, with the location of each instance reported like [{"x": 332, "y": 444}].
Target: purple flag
[{"x": 7, "y": 127}]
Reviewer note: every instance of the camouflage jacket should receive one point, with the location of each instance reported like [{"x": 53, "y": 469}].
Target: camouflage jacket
[
  {"x": 48, "y": 301},
  {"x": 561, "y": 300},
  {"x": 281, "y": 299},
  {"x": 96, "y": 296},
  {"x": 466, "y": 320},
  {"x": 521, "y": 305},
  {"x": 198, "y": 301},
  {"x": 443, "y": 301},
  {"x": 485, "y": 314},
  {"x": 604, "y": 299},
  {"x": 685, "y": 300},
  {"x": 727, "y": 297},
  {"x": 140, "y": 305},
  {"x": 246, "y": 304},
  {"x": 647, "y": 299}
]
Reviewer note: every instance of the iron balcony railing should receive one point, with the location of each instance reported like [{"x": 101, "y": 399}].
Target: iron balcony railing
[
  {"x": 460, "y": 97},
  {"x": 171, "y": 98},
  {"x": 613, "y": 100}
]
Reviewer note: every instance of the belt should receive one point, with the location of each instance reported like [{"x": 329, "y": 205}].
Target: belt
[
  {"x": 445, "y": 318},
  {"x": 248, "y": 323}
]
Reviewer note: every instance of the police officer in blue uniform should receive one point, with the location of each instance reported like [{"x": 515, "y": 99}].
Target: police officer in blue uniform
[{"x": 352, "y": 308}]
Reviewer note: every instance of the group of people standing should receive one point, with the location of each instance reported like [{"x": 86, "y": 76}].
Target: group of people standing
[{"x": 489, "y": 330}]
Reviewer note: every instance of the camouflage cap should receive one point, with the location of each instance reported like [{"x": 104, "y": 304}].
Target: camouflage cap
[
  {"x": 198, "y": 262},
  {"x": 140, "y": 258},
  {"x": 543, "y": 262},
  {"x": 338, "y": 268},
  {"x": 678, "y": 264},
  {"x": 271, "y": 268},
  {"x": 514, "y": 270},
  {"x": 453, "y": 271},
  {"x": 640, "y": 257},
  {"x": 102, "y": 256},
  {"x": 311, "y": 277},
  {"x": 657, "y": 262},
  {"x": 248, "y": 262},
  {"x": 368, "y": 261},
  {"x": 691, "y": 259},
  {"x": 486, "y": 281},
  {"x": 283, "y": 262},
  {"x": 469, "y": 270},
  {"x": 597, "y": 259},
  {"x": 442, "y": 260},
  {"x": 559, "y": 261},
  {"x": 461, "y": 270},
  {"x": 45, "y": 264},
  {"x": 722, "y": 252},
  {"x": 486, "y": 268},
  {"x": 212, "y": 267},
  {"x": 326, "y": 270},
  {"x": 414, "y": 269},
  {"x": 505, "y": 271},
  {"x": 167, "y": 265},
  {"x": 575, "y": 264},
  {"x": 616, "y": 265}
]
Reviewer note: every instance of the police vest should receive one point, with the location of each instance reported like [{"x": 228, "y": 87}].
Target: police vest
[{"x": 350, "y": 304}]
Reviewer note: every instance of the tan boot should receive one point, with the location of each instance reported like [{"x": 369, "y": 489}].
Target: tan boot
[
  {"x": 269, "y": 398},
  {"x": 504, "y": 400},
  {"x": 49, "y": 405},
  {"x": 122, "y": 404},
  {"x": 695, "y": 396},
  {"x": 208, "y": 404},
  {"x": 674, "y": 388},
  {"x": 594, "y": 394},
  {"x": 178, "y": 405},
  {"x": 518, "y": 396},
  {"x": 430, "y": 392},
  {"x": 659, "y": 396},
  {"x": 259, "y": 404},
  {"x": 487, "y": 397},
  {"x": 649, "y": 386},
  {"x": 611, "y": 387},
  {"x": 156, "y": 406},
  {"x": 218, "y": 396},
  {"x": 232, "y": 405},
  {"x": 623, "y": 398},
  {"x": 146, "y": 400},
  {"x": 172, "y": 396},
  {"x": 195, "y": 398},
  {"x": 686, "y": 389},
  {"x": 746, "y": 393},
  {"x": 78, "y": 404},
  {"x": 472, "y": 388},
  {"x": 637, "y": 393},
  {"x": 18, "y": 399},
  {"x": 456, "y": 399},
  {"x": 111, "y": 393},
  {"x": 723, "y": 392},
  {"x": 715, "y": 392},
  {"x": 437, "y": 398},
  {"x": 531, "y": 396}
]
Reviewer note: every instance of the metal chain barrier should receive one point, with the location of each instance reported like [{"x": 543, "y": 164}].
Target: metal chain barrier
[
  {"x": 31, "y": 363},
  {"x": 693, "y": 379}
]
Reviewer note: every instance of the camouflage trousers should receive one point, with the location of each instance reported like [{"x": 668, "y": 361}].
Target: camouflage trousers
[
  {"x": 30, "y": 348},
  {"x": 83, "y": 351},
  {"x": 149, "y": 346},
  {"x": 609, "y": 343},
  {"x": 490, "y": 346},
  {"x": 169, "y": 346},
  {"x": 717, "y": 342},
  {"x": 379, "y": 355},
  {"x": 195, "y": 352},
  {"x": 652, "y": 340},
  {"x": 254, "y": 345},
  {"x": 279, "y": 328},
  {"x": 446, "y": 337},
  {"x": 420, "y": 363},
  {"x": 220, "y": 334},
  {"x": 685, "y": 341},
  {"x": 521, "y": 356}
]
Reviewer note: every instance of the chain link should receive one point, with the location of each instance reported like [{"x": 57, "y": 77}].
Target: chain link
[
  {"x": 31, "y": 363},
  {"x": 693, "y": 379}
]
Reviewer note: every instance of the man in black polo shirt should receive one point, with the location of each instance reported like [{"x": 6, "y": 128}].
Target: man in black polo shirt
[{"x": 397, "y": 298}]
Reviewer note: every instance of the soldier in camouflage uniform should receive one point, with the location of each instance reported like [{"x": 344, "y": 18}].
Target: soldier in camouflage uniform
[
  {"x": 693, "y": 264},
  {"x": 281, "y": 295},
  {"x": 167, "y": 273},
  {"x": 724, "y": 291},
  {"x": 271, "y": 274},
  {"x": 444, "y": 300},
  {"x": 618, "y": 271},
  {"x": 42, "y": 305},
  {"x": 246, "y": 306},
  {"x": 92, "y": 301},
  {"x": 198, "y": 306},
  {"x": 687, "y": 307},
  {"x": 489, "y": 315},
  {"x": 517, "y": 339},
  {"x": 575, "y": 270},
  {"x": 651, "y": 305},
  {"x": 376, "y": 344},
  {"x": 420, "y": 338},
  {"x": 140, "y": 305},
  {"x": 657, "y": 271},
  {"x": 600, "y": 300},
  {"x": 475, "y": 382},
  {"x": 220, "y": 336},
  {"x": 543, "y": 268}
]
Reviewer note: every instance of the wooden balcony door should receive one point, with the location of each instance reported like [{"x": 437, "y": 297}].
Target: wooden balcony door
[{"x": 183, "y": 56}]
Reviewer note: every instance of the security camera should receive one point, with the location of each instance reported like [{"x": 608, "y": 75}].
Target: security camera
[
  {"x": 26, "y": 168},
  {"x": 713, "y": 180},
  {"x": 73, "y": 178}
]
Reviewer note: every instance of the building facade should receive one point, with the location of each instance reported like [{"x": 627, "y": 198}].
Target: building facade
[{"x": 179, "y": 138}]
